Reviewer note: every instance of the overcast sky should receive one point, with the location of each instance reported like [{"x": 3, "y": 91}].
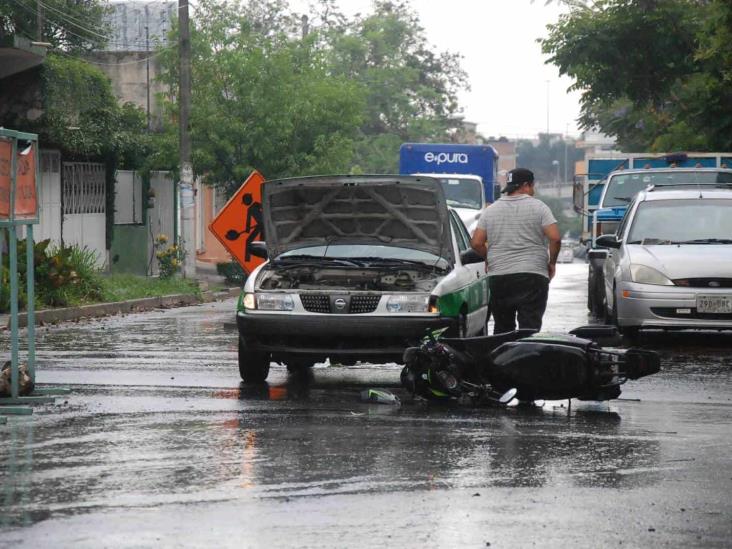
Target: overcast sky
[{"x": 505, "y": 66}]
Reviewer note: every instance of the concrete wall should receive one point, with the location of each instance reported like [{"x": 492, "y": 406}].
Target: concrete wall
[
  {"x": 128, "y": 73},
  {"x": 140, "y": 25}
]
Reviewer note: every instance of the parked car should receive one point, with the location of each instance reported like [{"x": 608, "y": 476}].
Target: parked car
[
  {"x": 359, "y": 268},
  {"x": 670, "y": 264}
]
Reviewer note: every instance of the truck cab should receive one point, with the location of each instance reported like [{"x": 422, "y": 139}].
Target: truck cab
[
  {"x": 461, "y": 168},
  {"x": 464, "y": 193}
]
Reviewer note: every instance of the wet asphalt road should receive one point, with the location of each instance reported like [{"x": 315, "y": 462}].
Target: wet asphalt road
[{"x": 159, "y": 445}]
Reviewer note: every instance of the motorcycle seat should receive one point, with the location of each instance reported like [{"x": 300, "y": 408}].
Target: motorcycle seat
[{"x": 483, "y": 345}]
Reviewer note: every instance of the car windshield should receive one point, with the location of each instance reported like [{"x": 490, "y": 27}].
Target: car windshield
[
  {"x": 623, "y": 187},
  {"x": 462, "y": 192},
  {"x": 367, "y": 254},
  {"x": 693, "y": 221}
]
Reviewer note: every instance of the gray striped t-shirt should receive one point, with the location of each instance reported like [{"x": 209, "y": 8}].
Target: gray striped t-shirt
[{"x": 515, "y": 235}]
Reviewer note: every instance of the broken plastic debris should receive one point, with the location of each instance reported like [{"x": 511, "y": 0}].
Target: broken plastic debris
[{"x": 379, "y": 396}]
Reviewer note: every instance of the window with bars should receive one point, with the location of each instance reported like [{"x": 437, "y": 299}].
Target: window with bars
[{"x": 83, "y": 188}]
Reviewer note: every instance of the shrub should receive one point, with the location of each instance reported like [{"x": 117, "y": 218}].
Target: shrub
[
  {"x": 232, "y": 272},
  {"x": 63, "y": 275},
  {"x": 170, "y": 258}
]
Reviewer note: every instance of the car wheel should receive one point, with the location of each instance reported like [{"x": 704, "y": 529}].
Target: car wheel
[
  {"x": 597, "y": 288},
  {"x": 253, "y": 365}
]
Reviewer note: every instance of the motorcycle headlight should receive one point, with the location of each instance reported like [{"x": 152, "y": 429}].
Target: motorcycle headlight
[
  {"x": 407, "y": 304},
  {"x": 643, "y": 274},
  {"x": 275, "y": 302}
]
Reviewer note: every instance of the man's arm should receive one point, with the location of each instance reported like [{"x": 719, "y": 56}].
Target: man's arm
[
  {"x": 555, "y": 243},
  {"x": 478, "y": 241}
]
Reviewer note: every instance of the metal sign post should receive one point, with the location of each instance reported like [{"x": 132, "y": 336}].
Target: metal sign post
[{"x": 19, "y": 169}]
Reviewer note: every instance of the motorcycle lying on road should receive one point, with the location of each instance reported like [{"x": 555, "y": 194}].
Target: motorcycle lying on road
[{"x": 526, "y": 365}]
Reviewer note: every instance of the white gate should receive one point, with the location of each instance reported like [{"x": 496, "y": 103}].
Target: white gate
[
  {"x": 49, "y": 191},
  {"x": 162, "y": 215},
  {"x": 84, "y": 206}
]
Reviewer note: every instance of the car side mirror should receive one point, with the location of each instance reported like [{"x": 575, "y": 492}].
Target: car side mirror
[
  {"x": 608, "y": 241},
  {"x": 258, "y": 249},
  {"x": 470, "y": 256}
]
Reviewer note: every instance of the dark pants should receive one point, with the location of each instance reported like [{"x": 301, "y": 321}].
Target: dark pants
[{"x": 521, "y": 294}]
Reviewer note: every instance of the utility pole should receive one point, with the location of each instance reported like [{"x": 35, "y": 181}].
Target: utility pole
[
  {"x": 147, "y": 54},
  {"x": 39, "y": 21},
  {"x": 187, "y": 198}
]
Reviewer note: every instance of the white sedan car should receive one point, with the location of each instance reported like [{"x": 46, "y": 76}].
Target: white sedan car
[
  {"x": 359, "y": 268},
  {"x": 670, "y": 264}
]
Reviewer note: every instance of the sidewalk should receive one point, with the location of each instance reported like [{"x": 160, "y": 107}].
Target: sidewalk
[{"x": 205, "y": 274}]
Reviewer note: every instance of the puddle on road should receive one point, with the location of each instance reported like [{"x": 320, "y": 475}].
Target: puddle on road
[{"x": 164, "y": 421}]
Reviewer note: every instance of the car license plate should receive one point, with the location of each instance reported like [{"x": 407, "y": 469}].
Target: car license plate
[{"x": 714, "y": 304}]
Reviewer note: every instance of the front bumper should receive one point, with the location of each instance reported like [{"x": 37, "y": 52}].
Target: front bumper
[
  {"x": 318, "y": 336},
  {"x": 650, "y": 306}
]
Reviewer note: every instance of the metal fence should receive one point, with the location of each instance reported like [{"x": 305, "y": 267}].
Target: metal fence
[{"x": 83, "y": 188}]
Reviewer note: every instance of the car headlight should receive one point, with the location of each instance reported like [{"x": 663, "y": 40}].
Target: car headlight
[
  {"x": 407, "y": 303},
  {"x": 249, "y": 302},
  {"x": 643, "y": 274},
  {"x": 275, "y": 302}
]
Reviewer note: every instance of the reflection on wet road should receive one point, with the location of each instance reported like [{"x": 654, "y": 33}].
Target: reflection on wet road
[{"x": 158, "y": 444}]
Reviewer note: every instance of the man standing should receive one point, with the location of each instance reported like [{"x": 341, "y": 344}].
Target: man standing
[{"x": 512, "y": 235}]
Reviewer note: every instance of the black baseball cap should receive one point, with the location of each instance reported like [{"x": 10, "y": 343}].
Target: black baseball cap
[{"x": 517, "y": 177}]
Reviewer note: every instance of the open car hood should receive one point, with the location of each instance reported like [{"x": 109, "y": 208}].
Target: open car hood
[{"x": 399, "y": 211}]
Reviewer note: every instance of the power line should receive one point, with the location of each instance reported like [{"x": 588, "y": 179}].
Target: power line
[{"x": 60, "y": 24}]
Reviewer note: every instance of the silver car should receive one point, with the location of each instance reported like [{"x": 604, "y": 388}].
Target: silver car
[{"x": 670, "y": 264}]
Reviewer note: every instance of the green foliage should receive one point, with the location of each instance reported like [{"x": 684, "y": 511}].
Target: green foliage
[
  {"x": 63, "y": 275},
  {"x": 232, "y": 272},
  {"x": 170, "y": 257},
  {"x": 82, "y": 116},
  {"x": 337, "y": 97},
  {"x": 654, "y": 73},
  {"x": 70, "y": 25}
]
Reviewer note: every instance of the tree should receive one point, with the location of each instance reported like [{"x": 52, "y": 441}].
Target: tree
[
  {"x": 540, "y": 158},
  {"x": 411, "y": 91},
  {"x": 289, "y": 95},
  {"x": 263, "y": 97},
  {"x": 653, "y": 73},
  {"x": 70, "y": 25}
]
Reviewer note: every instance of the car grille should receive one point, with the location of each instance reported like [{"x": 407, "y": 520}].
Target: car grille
[
  {"x": 670, "y": 312},
  {"x": 364, "y": 303},
  {"x": 359, "y": 304},
  {"x": 704, "y": 282},
  {"x": 315, "y": 303}
]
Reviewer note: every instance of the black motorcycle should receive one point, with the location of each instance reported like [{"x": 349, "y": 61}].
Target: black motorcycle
[{"x": 525, "y": 365}]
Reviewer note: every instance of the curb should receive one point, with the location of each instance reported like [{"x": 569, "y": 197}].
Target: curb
[{"x": 52, "y": 316}]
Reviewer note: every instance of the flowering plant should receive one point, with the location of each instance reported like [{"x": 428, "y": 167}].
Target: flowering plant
[{"x": 170, "y": 258}]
